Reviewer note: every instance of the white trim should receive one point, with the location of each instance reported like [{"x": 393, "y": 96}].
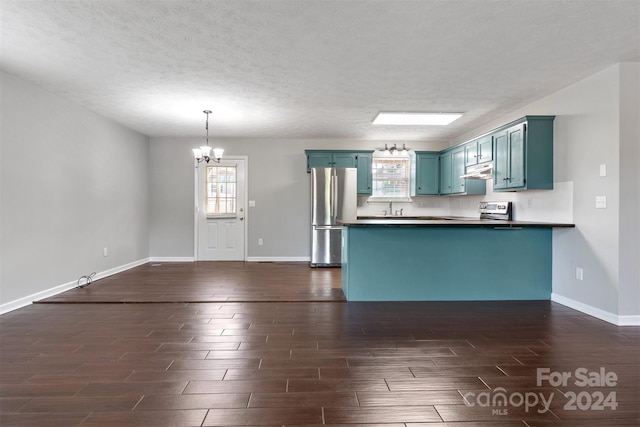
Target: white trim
[
  {"x": 278, "y": 259},
  {"x": 378, "y": 199},
  {"x": 172, "y": 259},
  {"x": 29, "y": 299},
  {"x": 632, "y": 320},
  {"x": 196, "y": 180}
]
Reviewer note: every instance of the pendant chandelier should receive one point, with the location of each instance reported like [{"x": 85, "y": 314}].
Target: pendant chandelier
[{"x": 203, "y": 154}]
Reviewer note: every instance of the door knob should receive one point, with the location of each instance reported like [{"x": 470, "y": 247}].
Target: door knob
[{"x": 241, "y": 218}]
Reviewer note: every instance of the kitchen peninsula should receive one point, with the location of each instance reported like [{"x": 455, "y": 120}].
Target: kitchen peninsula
[{"x": 448, "y": 259}]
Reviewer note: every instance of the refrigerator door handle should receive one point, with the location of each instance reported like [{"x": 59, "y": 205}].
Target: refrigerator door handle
[{"x": 334, "y": 198}]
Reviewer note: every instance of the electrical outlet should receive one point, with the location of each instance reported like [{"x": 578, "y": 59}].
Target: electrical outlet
[
  {"x": 260, "y": 242},
  {"x": 601, "y": 202},
  {"x": 579, "y": 273},
  {"x": 252, "y": 203},
  {"x": 105, "y": 252}
]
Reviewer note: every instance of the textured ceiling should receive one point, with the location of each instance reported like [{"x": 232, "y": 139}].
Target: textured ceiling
[{"x": 310, "y": 69}]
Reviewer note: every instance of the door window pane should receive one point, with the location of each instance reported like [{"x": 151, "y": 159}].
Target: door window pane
[{"x": 221, "y": 191}]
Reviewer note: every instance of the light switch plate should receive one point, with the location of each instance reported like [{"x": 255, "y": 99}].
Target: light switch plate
[
  {"x": 603, "y": 170},
  {"x": 252, "y": 203},
  {"x": 601, "y": 202}
]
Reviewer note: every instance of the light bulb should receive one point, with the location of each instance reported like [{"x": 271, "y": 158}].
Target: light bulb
[{"x": 206, "y": 150}]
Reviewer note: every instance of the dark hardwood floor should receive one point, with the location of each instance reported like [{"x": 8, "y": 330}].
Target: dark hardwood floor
[
  {"x": 213, "y": 282},
  {"x": 280, "y": 348}
]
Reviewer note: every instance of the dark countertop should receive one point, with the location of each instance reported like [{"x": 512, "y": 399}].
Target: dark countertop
[{"x": 444, "y": 221}]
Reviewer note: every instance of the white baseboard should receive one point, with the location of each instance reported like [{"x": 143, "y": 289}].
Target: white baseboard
[
  {"x": 29, "y": 299},
  {"x": 278, "y": 259},
  {"x": 632, "y": 320},
  {"x": 171, "y": 259}
]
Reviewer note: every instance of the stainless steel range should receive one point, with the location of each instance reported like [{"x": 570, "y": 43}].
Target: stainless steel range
[{"x": 496, "y": 210}]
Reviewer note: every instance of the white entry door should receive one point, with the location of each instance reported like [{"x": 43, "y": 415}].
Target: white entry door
[{"x": 220, "y": 211}]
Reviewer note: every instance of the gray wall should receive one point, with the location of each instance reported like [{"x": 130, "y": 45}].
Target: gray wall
[
  {"x": 172, "y": 200},
  {"x": 278, "y": 183},
  {"x": 72, "y": 183},
  {"x": 596, "y": 123},
  {"x": 629, "y": 298}
]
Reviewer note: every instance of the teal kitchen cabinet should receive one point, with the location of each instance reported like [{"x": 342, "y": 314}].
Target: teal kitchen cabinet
[
  {"x": 360, "y": 159},
  {"x": 485, "y": 149},
  {"x": 457, "y": 169},
  {"x": 330, "y": 159},
  {"x": 363, "y": 163},
  {"x": 319, "y": 160},
  {"x": 445, "y": 173},
  {"x": 429, "y": 264},
  {"x": 478, "y": 151},
  {"x": 427, "y": 173},
  {"x": 452, "y": 165},
  {"x": 523, "y": 155}
]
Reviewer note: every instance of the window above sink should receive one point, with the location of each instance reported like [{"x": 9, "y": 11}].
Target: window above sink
[{"x": 391, "y": 176}]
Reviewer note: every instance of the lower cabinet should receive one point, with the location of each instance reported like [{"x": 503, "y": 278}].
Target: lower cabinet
[{"x": 429, "y": 265}]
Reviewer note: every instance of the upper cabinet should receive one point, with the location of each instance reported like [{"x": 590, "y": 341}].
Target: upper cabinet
[
  {"x": 452, "y": 165},
  {"x": 427, "y": 173},
  {"x": 445, "y": 173},
  {"x": 521, "y": 151},
  {"x": 360, "y": 159},
  {"x": 363, "y": 163},
  {"x": 330, "y": 159},
  {"x": 523, "y": 155},
  {"x": 458, "y": 185},
  {"x": 478, "y": 151}
]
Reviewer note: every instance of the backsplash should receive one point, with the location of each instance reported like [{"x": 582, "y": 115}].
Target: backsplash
[
  {"x": 533, "y": 205},
  {"x": 420, "y": 205}
]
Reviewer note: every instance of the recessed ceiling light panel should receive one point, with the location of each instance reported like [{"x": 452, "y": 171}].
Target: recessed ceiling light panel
[{"x": 415, "y": 119}]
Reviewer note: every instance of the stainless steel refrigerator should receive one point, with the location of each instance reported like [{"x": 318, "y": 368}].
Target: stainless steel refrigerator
[{"x": 333, "y": 198}]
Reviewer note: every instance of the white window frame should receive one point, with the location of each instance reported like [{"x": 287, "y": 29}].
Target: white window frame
[{"x": 376, "y": 197}]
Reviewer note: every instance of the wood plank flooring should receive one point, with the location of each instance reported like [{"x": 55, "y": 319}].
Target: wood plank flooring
[
  {"x": 212, "y": 282},
  {"x": 290, "y": 362}
]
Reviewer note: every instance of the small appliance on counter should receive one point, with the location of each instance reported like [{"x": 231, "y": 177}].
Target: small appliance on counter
[{"x": 496, "y": 210}]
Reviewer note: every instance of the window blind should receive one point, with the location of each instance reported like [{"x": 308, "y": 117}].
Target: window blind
[
  {"x": 222, "y": 187},
  {"x": 390, "y": 176}
]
